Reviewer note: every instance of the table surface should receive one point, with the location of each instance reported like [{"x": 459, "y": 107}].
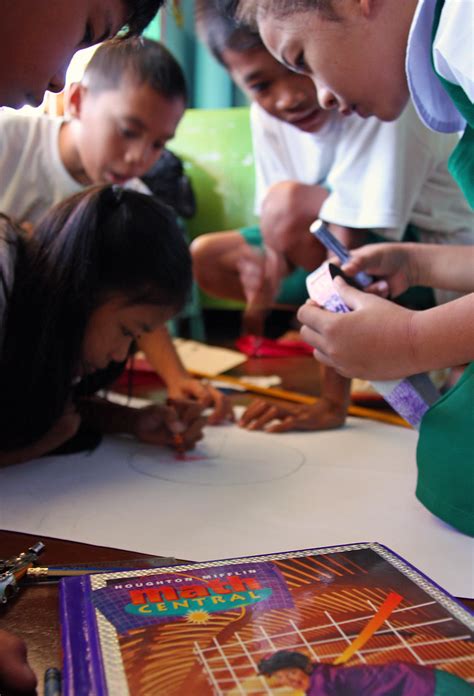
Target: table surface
[{"x": 33, "y": 614}]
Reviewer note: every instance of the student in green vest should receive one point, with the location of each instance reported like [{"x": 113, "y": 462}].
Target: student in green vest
[{"x": 368, "y": 57}]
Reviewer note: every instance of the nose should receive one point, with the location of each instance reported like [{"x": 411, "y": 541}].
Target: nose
[
  {"x": 137, "y": 153},
  {"x": 327, "y": 99},
  {"x": 58, "y": 80},
  {"x": 121, "y": 350},
  {"x": 289, "y": 99}
]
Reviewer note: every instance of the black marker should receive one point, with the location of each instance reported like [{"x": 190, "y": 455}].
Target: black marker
[{"x": 322, "y": 233}]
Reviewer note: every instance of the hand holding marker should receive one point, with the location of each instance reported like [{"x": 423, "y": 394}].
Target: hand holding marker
[{"x": 322, "y": 233}]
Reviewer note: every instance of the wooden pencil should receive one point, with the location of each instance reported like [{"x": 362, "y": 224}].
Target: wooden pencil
[{"x": 296, "y": 397}]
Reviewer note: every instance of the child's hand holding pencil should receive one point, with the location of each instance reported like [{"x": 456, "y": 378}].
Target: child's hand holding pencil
[{"x": 177, "y": 424}]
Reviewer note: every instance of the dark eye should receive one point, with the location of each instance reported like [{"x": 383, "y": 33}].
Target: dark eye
[
  {"x": 127, "y": 133},
  {"x": 300, "y": 63},
  {"x": 260, "y": 86},
  {"x": 126, "y": 332}
]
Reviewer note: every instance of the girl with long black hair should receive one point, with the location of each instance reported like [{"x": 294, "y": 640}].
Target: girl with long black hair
[{"x": 101, "y": 269}]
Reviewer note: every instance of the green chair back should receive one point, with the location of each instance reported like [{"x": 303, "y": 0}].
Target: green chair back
[{"x": 216, "y": 148}]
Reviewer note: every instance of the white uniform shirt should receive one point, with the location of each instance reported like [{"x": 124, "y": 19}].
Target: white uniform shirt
[
  {"x": 381, "y": 176},
  {"x": 453, "y": 55},
  {"x": 32, "y": 175}
]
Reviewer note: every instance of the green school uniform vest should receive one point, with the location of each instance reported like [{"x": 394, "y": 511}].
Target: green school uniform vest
[
  {"x": 461, "y": 161},
  {"x": 445, "y": 456}
]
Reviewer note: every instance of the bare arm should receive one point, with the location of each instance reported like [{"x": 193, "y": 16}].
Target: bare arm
[
  {"x": 403, "y": 265},
  {"x": 328, "y": 412},
  {"x": 64, "y": 428},
  {"x": 442, "y": 266},
  {"x": 288, "y": 210},
  {"x": 380, "y": 340},
  {"x": 163, "y": 357},
  {"x": 155, "y": 424}
]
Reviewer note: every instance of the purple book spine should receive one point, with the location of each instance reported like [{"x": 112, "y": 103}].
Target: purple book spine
[{"x": 83, "y": 671}]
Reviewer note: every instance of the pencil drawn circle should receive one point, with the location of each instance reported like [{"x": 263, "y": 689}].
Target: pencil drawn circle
[{"x": 223, "y": 461}]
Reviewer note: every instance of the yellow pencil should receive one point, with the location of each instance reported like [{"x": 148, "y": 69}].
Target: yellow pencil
[{"x": 298, "y": 398}]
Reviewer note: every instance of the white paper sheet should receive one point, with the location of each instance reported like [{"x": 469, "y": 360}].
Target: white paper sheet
[
  {"x": 205, "y": 359},
  {"x": 242, "y": 493}
]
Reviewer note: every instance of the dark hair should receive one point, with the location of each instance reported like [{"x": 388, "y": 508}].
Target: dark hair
[
  {"x": 220, "y": 32},
  {"x": 100, "y": 242},
  {"x": 140, "y": 13},
  {"x": 146, "y": 62},
  {"x": 284, "y": 659},
  {"x": 249, "y": 10}
]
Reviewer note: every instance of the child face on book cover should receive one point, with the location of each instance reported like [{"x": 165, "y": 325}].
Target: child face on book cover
[
  {"x": 113, "y": 326},
  {"x": 289, "y": 676},
  {"x": 354, "y": 52},
  {"x": 38, "y": 39},
  {"x": 118, "y": 134},
  {"x": 282, "y": 93}
]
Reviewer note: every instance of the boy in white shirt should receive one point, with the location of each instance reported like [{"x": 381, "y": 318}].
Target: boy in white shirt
[
  {"x": 365, "y": 177},
  {"x": 126, "y": 108}
]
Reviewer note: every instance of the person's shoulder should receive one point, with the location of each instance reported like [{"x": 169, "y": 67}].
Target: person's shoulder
[
  {"x": 11, "y": 119},
  {"x": 439, "y": 144},
  {"x": 20, "y": 125}
]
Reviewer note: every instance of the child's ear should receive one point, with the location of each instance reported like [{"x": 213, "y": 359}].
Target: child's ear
[{"x": 74, "y": 98}]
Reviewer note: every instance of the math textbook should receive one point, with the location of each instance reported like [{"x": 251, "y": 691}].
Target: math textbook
[{"x": 345, "y": 620}]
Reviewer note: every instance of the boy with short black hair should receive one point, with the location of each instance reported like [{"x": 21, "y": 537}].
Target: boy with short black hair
[{"x": 126, "y": 108}]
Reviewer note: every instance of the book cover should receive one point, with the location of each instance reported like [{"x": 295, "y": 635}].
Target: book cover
[{"x": 353, "y": 619}]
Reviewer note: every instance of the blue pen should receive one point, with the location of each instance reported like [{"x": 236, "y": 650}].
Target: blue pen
[
  {"x": 322, "y": 233},
  {"x": 52, "y": 682}
]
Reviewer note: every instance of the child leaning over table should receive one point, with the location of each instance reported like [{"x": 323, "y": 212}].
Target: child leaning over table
[
  {"x": 103, "y": 268},
  {"x": 370, "y": 180},
  {"x": 126, "y": 108},
  {"x": 425, "y": 47},
  {"x": 34, "y": 54}
]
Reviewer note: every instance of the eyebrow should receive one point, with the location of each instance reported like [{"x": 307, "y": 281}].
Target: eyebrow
[
  {"x": 137, "y": 122},
  {"x": 255, "y": 75}
]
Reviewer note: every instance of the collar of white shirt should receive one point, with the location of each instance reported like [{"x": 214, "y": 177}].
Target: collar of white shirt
[{"x": 432, "y": 102}]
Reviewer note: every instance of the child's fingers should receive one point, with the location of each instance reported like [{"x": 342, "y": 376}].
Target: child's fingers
[
  {"x": 353, "y": 298},
  {"x": 222, "y": 408},
  {"x": 194, "y": 432},
  {"x": 380, "y": 288},
  {"x": 166, "y": 416},
  {"x": 271, "y": 414},
  {"x": 15, "y": 672},
  {"x": 253, "y": 411},
  {"x": 283, "y": 426},
  {"x": 185, "y": 410}
]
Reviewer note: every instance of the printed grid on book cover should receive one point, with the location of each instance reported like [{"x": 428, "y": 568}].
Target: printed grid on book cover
[{"x": 226, "y": 664}]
